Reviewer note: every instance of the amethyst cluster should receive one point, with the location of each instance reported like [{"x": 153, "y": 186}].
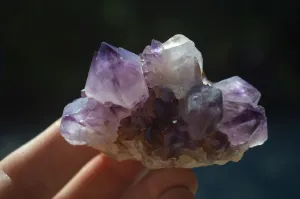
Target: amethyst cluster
[{"x": 159, "y": 108}]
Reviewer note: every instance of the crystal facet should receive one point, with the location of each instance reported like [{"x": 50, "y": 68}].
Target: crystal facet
[
  {"x": 159, "y": 108},
  {"x": 238, "y": 90}
]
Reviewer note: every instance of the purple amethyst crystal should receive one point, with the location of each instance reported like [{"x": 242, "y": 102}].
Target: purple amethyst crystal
[
  {"x": 238, "y": 90},
  {"x": 116, "y": 77},
  {"x": 241, "y": 113},
  {"x": 241, "y": 121},
  {"x": 202, "y": 110},
  {"x": 86, "y": 121},
  {"x": 159, "y": 108}
]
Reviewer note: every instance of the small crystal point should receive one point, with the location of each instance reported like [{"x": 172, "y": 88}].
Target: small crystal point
[
  {"x": 82, "y": 93},
  {"x": 156, "y": 44},
  {"x": 107, "y": 51}
]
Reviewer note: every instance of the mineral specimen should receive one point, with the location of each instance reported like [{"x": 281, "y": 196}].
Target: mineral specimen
[{"x": 160, "y": 109}]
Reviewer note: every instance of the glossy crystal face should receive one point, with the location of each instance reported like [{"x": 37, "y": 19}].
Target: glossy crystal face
[{"x": 159, "y": 108}]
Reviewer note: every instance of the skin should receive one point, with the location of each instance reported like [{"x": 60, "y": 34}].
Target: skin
[{"x": 49, "y": 167}]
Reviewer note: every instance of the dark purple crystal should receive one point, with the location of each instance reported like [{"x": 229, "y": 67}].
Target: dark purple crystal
[{"x": 202, "y": 110}]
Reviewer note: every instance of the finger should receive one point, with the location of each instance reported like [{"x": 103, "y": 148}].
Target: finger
[
  {"x": 44, "y": 165},
  {"x": 102, "y": 177},
  {"x": 162, "y": 183}
]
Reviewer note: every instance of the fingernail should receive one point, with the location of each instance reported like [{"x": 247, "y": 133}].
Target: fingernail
[
  {"x": 194, "y": 187},
  {"x": 177, "y": 193},
  {"x": 5, "y": 183}
]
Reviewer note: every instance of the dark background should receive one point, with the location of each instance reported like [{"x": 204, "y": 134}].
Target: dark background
[{"x": 46, "y": 48}]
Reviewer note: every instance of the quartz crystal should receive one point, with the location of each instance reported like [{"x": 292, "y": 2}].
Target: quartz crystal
[
  {"x": 172, "y": 64},
  {"x": 202, "y": 110},
  {"x": 241, "y": 117},
  {"x": 159, "y": 108},
  {"x": 116, "y": 77},
  {"x": 86, "y": 121}
]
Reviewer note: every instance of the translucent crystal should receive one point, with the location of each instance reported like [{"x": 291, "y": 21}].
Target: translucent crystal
[
  {"x": 241, "y": 121},
  {"x": 238, "y": 90},
  {"x": 172, "y": 64},
  {"x": 86, "y": 121},
  {"x": 116, "y": 77},
  {"x": 202, "y": 110}
]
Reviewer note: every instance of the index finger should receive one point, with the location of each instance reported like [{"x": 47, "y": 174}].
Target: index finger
[{"x": 44, "y": 165}]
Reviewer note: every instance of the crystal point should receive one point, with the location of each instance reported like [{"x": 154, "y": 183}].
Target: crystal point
[
  {"x": 238, "y": 90},
  {"x": 86, "y": 121},
  {"x": 171, "y": 64},
  {"x": 116, "y": 77},
  {"x": 241, "y": 121}
]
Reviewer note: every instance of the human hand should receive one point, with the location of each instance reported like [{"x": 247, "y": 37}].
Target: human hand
[{"x": 49, "y": 167}]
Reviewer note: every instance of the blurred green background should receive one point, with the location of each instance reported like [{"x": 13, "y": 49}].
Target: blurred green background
[{"x": 46, "y": 48}]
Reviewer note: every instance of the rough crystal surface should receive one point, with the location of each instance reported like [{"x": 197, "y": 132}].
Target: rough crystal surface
[{"x": 160, "y": 109}]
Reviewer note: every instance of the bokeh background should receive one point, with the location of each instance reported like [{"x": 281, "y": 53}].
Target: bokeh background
[{"x": 46, "y": 48}]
